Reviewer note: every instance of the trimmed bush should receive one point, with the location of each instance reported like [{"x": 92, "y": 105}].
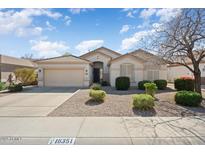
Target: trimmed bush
[
  {"x": 97, "y": 95},
  {"x": 188, "y": 98},
  {"x": 184, "y": 84},
  {"x": 141, "y": 84},
  {"x": 150, "y": 88},
  {"x": 15, "y": 87},
  {"x": 104, "y": 83},
  {"x": 122, "y": 83},
  {"x": 143, "y": 101},
  {"x": 161, "y": 84},
  {"x": 2, "y": 86},
  {"x": 96, "y": 86}
]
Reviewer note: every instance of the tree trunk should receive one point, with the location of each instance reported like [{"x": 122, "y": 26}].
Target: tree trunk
[{"x": 197, "y": 81}]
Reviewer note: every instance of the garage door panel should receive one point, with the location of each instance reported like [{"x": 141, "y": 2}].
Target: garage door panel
[{"x": 64, "y": 78}]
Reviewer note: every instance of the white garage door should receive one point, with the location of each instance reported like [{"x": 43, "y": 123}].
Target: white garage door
[{"x": 64, "y": 78}]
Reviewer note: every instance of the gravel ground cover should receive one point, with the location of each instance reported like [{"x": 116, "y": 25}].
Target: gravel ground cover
[{"x": 119, "y": 103}]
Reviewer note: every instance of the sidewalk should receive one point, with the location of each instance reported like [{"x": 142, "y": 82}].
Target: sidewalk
[{"x": 103, "y": 130}]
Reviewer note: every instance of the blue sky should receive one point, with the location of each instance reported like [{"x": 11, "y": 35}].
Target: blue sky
[{"x": 52, "y": 32}]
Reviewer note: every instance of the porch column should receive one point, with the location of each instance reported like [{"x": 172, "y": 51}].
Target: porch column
[{"x": 40, "y": 77}]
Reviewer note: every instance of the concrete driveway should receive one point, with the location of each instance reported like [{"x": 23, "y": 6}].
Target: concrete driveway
[{"x": 34, "y": 101}]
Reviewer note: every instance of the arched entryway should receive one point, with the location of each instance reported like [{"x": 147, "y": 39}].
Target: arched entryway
[{"x": 97, "y": 71}]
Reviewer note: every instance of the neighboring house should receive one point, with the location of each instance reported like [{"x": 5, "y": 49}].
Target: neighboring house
[
  {"x": 101, "y": 64},
  {"x": 176, "y": 71},
  {"x": 9, "y": 64}
]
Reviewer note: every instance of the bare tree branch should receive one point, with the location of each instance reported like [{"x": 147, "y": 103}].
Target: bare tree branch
[{"x": 182, "y": 41}]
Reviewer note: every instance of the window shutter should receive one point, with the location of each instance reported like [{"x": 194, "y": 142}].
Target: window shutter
[
  {"x": 122, "y": 70},
  {"x": 149, "y": 75},
  {"x": 152, "y": 75},
  {"x": 127, "y": 70},
  {"x": 156, "y": 75}
]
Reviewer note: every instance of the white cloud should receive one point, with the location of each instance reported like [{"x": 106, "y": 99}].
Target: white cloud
[
  {"x": 86, "y": 46},
  {"x": 130, "y": 12},
  {"x": 20, "y": 21},
  {"x": 49, "y": 26},
  {"x": 145, "y": 25},
  {"x": 164, "y": 14},
  {"x": 79, "y": 10},
  {"x": 149, "y": 27},
  {"x": 24, "y": 32},
  {"x": 133, "y": 42},
  {"x": 146, "y": 13},
  {"x": 45, "y": 48},
  {"x": 67, "y": 20},
  {"x": 167, "y": 14},
  {"x": 124, "y": 29},
  {"x": 39, "y": 12}
]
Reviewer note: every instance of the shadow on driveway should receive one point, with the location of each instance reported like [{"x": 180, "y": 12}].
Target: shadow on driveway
[{"x": 49, "y": 90}]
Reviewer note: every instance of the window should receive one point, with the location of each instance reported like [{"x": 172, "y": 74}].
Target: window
[
  {"x": 127, "y": 70},
  {"x": 152, "y": 75}
]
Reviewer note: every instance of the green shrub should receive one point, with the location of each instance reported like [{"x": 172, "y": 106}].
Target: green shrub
[
  {"x": 143, "y": 101},
  {"x": 97, "y": 95},
  {"x": 122, "y": 83},
  {"x": 150, "y": 88},
  {"x": 141, "y": 84},
  {"x": 188, "y": 98},
  {"x": 184, "y": 84},
  {"x": 26, "y": 75},
  {"x": 15, "y": 87},
  {"x": 96, "y": 86},
  {"x": 2, "y": 86},
  {"x": 104, "y": 83},
  {"x": 161, "y": 84}
]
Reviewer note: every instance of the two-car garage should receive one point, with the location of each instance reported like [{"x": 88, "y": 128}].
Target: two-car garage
[
  {"x": 65, "y": 71},
  {"x": 63, "y": 78}
]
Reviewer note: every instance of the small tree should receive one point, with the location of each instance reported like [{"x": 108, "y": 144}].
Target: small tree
[
  {"x": 28, "y": 56},
  {"x": 182, "y": 41},
  {"x": 66, "y": 54},
  {"x": 25, "y": 75},
  {"x": 10, "y": 79}
]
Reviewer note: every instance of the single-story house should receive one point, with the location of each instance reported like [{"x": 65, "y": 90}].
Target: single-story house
[
  {"x": 101, "y": 64},
  {"x": 9, "y": 64},
  {"x": 175, "y": 71}
]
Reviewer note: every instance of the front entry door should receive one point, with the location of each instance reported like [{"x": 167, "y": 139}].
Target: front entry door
[{"x": 96, "y": 75}]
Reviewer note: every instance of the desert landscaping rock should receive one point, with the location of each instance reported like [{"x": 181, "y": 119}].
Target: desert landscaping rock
[{"x": 119, "y": 103}]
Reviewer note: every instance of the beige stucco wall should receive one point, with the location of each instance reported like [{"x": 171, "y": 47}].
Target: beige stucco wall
[
  {"x": 97, "y": 57},
  {"x": 90, "y": 74},
  {"x": 9, "y": 64},
  {"x": 65, "y": 64},
  {"x": 85, "y": 67},
  {"x": 17, "y": 61},
  {"x": 102, "y": 55},
  {"x": 140, "y": 70},
  {"x": 6, "y": 69},
  {"x": 154, "y": 66},
  {"x": 178, "y": 71},
  {"x": 115, "y": 70},
  {"x": 101, "y": 58},
  {"x": 107, "y": 52}
]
